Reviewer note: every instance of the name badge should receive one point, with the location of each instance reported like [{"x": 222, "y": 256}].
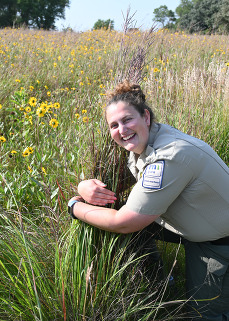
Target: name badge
[{"x": 153, "y": 174}]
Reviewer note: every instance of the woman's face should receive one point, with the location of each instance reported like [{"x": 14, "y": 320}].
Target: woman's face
[{"x": 127, "y": 127}]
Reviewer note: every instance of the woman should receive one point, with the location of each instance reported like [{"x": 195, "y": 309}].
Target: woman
[{"x": 182, "y": 184}]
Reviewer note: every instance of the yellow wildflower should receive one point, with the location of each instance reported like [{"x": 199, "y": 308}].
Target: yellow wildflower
[
  {"x": 17, "y": 80},
  {"x": 40, "y": 112},
  {"x": 44, "y": 106},
  {"x": 85, "y": 119},
  {"x": 13, "y": 152},
  {"x": 0, "y": 106},
  {"x": 28, "y": 109},
  {"x": 56, "y": 105},
  {"x": 30, "y": 149},
  {"x": 43, "y": 170},
  {"x": 25, "y": 153},
  {"x": 84, "y": 111},
  {"x": 77, "y": 116},
  {"x": 48, "y": 93},
  {"x": 53, "y": 123},
  {"x": 30, "y": 169},
  {"x": 33, "y": 101},
  {"x": 2, "y": 139}
]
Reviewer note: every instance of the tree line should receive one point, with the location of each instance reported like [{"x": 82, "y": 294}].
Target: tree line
[
  {"x": 191, "y": 15},
  {"x": 31, "y": 13},
  {"x": 207, "y": 16}
]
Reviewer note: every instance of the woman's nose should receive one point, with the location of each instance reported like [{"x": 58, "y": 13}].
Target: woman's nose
[{"x": 122, "y": 128}]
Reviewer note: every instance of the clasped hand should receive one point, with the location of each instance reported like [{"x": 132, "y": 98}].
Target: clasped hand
[{"x": 94, "y": 191}]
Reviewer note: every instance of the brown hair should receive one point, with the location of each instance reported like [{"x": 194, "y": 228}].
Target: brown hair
[{"x": 132, "y": 95}]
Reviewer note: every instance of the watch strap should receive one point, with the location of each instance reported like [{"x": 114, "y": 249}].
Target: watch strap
[{"x": 70, "y": 207}]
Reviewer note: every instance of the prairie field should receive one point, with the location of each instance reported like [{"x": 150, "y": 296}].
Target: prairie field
[{"x": 53, "y": 134}]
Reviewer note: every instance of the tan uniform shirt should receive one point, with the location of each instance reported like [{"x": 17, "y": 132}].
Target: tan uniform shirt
[{"x": 182, "y": 179}]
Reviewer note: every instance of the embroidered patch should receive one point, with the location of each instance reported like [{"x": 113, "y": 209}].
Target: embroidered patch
[{"x": 152, "y": 176}]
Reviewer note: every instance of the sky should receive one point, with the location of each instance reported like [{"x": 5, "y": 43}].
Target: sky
[{"x": 82, "y": 14}]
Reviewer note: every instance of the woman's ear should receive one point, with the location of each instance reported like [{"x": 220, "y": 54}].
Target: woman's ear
[{"x": 147, "y": 117}]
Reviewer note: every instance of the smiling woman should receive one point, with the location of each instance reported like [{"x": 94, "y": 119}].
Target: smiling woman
[
  {"x": 127, "y": 127},
  {"x": 182, "y": 186}
]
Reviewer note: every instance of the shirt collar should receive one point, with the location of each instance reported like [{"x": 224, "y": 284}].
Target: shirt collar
[{"x": 135, "y": 164}]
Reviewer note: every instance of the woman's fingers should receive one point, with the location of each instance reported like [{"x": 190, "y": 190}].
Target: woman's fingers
[{"x": 95, "y": 193}]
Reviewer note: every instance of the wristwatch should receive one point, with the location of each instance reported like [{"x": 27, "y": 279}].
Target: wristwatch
[{"x": 70, "y": 207}]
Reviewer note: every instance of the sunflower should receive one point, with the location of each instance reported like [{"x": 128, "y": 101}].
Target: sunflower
[
  {"x": 25, "y": 153},
  {"x": 85, "y": 119},
  {"x": 40, "y": 112},
  {"x": 2, "y": 139},
  {"x": 56, "y": 105},
  {"x": 28, "y": 151},
  {"x": 44, "y": 106},
  {"x": 28, "y": 109},
  {"x": 33, "y": 101},
  {"x": 53, "y": 123}
]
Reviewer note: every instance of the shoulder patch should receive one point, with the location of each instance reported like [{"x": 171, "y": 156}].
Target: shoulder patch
[{"x": 152, "y": 176}]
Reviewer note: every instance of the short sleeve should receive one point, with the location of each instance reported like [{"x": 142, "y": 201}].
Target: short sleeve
[{"x": 144, "y": 199}]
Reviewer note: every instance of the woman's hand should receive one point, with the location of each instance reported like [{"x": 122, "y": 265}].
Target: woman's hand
[{"x": 94, "y": 192}]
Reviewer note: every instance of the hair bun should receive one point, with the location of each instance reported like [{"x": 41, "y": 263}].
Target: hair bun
[{"x": 127, "y": 87}]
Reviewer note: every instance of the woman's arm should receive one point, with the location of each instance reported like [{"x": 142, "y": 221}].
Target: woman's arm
[{"x": 121, "y": 221}]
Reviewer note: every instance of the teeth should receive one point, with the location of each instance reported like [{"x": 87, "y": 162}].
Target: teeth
[{"x": 128, "y": 137}]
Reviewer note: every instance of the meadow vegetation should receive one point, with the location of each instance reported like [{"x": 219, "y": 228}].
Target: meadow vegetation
[{"x": 52, "y": 135}]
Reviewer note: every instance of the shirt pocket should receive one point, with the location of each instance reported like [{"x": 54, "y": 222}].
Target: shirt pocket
[{"x": 216, "y": 270}]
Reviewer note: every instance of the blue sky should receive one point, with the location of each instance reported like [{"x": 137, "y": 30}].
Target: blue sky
[{"x": 82, "y": 14}]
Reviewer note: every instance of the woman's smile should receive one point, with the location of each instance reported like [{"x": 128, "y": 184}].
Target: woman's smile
[
  {"x": 127, "y": 127},
  {"x": 128, "y": 137}
]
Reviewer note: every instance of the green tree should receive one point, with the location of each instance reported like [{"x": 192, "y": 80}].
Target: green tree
[
  {"x": 8, "y": 12},
  {"x": 32, "y": 13},
  {"x": 163, "y": 15},
  {"x": 222, "y": 17},
  {"x": 184, "y": 8},
  {"x": 202, "y": 16},
  {"x": 104, "y": 24}
]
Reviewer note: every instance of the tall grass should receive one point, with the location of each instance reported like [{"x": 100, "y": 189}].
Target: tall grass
[{"x": 50, "y": 267}]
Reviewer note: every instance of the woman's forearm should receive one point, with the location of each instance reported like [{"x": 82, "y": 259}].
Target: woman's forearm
[
  {"x": 101, "y": 217},
  {"x": 122, "y": 221}
]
